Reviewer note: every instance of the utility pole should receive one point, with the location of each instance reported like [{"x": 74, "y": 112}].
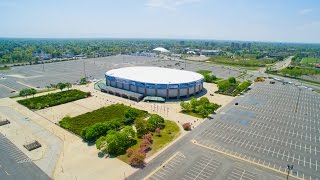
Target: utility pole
[{"x": 84, "y": 70}]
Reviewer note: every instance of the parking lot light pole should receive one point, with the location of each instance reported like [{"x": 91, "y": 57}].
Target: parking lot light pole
[{"x": 290, "y": 167}]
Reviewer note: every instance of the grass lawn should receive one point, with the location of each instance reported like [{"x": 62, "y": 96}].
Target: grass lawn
[
  {"x": 168, "y": 134},
  {"x": 310, "y": 60},
  {"x": 4, "y": 68},
  {"x": 53, "y": 99},
  {"x": 190, "y": 113},
  {"x": 76, "y": 124},
  {"x": 238, "y": 62}
]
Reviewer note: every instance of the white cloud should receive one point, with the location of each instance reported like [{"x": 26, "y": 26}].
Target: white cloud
[
  {"x": 169, "y": 4},
  {"x": 305, "y": 11}
]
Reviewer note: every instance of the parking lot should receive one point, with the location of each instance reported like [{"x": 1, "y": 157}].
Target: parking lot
[
  {"x": 16, "y": 165},
  {"x": 273, "y": 125},
  {"x": 193, "y": 162},
  {"x": 40, "y": 76}
]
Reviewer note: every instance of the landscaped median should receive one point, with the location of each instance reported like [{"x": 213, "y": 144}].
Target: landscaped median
[
  {"x": 199, "y": 108},
  {"x": 53, "y": 99},
  {"x": 232, "y": 87},
  {"x": 122, "y": 131}
]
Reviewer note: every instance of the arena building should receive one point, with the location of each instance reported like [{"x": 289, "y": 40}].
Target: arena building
[{"x": 156, "y": 81}]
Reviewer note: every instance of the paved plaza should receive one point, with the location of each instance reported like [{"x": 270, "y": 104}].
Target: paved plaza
[{"x": 271, "y": 127}]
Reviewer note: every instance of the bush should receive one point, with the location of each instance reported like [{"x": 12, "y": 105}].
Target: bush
[
  {"x": 130, "y": 116},
  {"x": 53, "y": 99},
  {"x": 155, "y": 122},
  {"x": 186, "y": 126},
  {"x": 97, "y": 130},
  {"x": 138, "y": 159},
  {"x": 129, "y": 152},
  {"x": 142, "y": 127},
  {"x": 115, "y": 111}
]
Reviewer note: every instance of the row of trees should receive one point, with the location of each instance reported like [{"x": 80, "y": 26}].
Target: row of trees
[
  {"x": 27, "y": 92},
  {"x": 203, "y": 107}
]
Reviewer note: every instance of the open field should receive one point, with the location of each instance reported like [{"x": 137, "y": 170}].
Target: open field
[
  {"x": 241, "y": 62},
  {"x": 310, "y": 60},
  {"x": 53, "y": 99},
  {"x": 168, "y": 134}
]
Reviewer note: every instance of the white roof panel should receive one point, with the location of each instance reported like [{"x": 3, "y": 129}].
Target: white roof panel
[{"x": 155, "y": 75}]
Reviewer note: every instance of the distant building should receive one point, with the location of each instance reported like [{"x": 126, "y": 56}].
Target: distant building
[
  {"x": 160, "y": 50},
  {"x": 317, "y": 65},
  {"x": 210, "y": 52}
]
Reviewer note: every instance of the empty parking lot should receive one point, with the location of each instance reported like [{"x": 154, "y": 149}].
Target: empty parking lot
[
  {"x": 274, "y": 125},
  {"x": 71, "y": 71}
]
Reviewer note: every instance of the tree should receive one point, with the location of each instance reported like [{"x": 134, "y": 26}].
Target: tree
[
  {"x": 68, "y": 85},
  {"x": 185, "y": 106},
  {"x": 33, "y": 92},
  {"x": 128, "y": 130},
  {"x": 25, "y": 92},
  {"x": 204, "y": 101},
  {"x": 194, "y": 103},
  {"x": 83, "y": 81},
  {"x": 142, "y": 127},
  {"x": 223, "y": 85},
  {"x": 156, "y": 121},
  {"x": 130, "y": 115},
  {"x": 232, "y": 80},
  {"x": 61, "y": 86}
]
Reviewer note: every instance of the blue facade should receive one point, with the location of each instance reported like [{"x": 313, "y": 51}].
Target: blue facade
[{"x": 169, "y": 89}]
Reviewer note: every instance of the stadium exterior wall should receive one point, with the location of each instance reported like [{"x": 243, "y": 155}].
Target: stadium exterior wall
[{"x": 168, "y": 91}]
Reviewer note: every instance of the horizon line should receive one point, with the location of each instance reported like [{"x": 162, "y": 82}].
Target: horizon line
[{"x": 167, "y": 38}]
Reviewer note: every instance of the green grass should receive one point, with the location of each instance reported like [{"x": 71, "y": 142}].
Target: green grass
[
  {"x": 191, "y": 113},
  {"x": 310, "y": 60},
  {"x": 318, "y": 91},
  {"x": 241, "y": 62},
  {"x": 76, "y": 124},
  {"x": 168, "y": 134},
  {"x": 53, "y": 99},
  {"x": 4, "y": 68},
  {"x": 203, "y": 72}
]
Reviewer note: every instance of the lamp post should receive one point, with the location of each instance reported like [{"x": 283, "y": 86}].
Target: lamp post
[{"x": 290, "y": 167}]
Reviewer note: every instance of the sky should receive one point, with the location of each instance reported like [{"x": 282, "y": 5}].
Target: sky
[{"x": 247, "y": 20}]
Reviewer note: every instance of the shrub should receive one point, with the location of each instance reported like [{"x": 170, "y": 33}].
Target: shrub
[
  {"x": 97, "y": 130},
  {"x": 129, "y": 152},
  {"x": 130, "y": 116},
  {"x": 138, "y": 159},
  {"x": 142, "y": 127},
  {"x": 155, "y": 122},
  {"x": 186, "y": 126},
  {"x": 53, "y": 99}
]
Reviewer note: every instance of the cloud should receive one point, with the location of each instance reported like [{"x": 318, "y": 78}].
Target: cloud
[
  {"x": 305, "y": 11},
  {"x": 169, "y": 4}
]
